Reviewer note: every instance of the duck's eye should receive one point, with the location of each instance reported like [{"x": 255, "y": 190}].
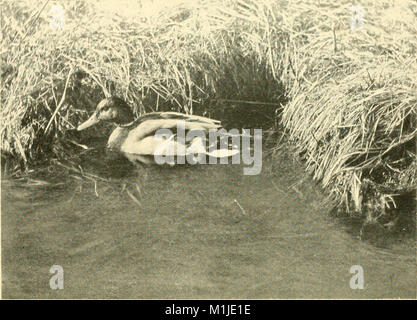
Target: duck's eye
[
  {"x": 102, "y": 111},
  {"x": 105, "y": 108}
]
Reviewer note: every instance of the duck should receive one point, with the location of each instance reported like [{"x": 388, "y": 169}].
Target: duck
[{"x": 137, "y": 138}]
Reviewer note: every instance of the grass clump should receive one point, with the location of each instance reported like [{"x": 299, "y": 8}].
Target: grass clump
[{"x": 353, "y": 101}]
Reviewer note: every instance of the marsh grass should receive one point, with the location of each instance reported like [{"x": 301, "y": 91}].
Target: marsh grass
[
  {"x": 346, "y": 97},
  {"x": 353, "y": 103}
]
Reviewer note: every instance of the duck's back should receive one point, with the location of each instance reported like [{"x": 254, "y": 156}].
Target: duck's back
[
  {"x": 173, "y": 116},
  {"x": 149, "y": 124}
]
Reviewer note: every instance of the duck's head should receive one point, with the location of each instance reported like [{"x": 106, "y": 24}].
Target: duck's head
[{"x": 111, "y": 109}]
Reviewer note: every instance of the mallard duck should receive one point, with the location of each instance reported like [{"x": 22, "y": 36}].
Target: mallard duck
[{"x": 136, "y": 138}]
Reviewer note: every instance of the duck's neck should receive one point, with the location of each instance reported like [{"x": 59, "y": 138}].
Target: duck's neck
[
  {"x": 124, "y": 120},
  {"x": 126, "y": 125}
]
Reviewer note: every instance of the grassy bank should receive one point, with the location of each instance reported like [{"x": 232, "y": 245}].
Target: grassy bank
[
  {"x": 353, "y": 102},
  {"x": 345, "y": 96}
]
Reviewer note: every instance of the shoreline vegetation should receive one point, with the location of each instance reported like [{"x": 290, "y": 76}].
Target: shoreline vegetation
[{"x": 344, "y": 94}]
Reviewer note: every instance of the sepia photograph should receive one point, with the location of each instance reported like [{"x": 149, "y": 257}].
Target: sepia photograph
[{"x": 208, "y": 150}]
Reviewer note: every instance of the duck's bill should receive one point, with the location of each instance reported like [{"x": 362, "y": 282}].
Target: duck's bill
[{"x": 90, "y": 122}]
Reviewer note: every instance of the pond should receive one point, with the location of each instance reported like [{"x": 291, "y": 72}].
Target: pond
[{"x": 207, "y": 231}]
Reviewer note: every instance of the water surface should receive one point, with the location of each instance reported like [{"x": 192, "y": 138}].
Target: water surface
[{"x": 203, "y": 231}]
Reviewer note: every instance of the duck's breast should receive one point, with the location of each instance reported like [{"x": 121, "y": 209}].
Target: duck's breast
[{"x": 117, "y": 138}]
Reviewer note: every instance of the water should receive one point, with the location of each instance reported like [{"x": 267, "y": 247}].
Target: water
[{"x": 189, "y": 232}]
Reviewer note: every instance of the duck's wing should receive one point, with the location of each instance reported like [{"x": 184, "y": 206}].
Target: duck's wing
[
  {"x": 150, "y": 126},
  {"x": 188, "y": 117}
]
